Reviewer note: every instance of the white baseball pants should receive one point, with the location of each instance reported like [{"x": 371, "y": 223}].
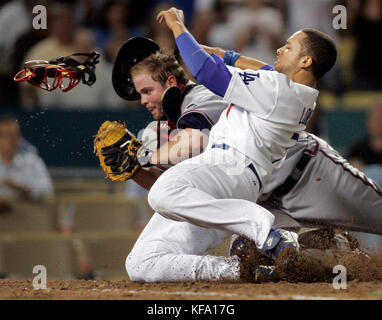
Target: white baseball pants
[{"x": 202, "y": 201}]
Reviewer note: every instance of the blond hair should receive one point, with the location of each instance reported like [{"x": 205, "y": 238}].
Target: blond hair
[{"x": 161, "y": 65}]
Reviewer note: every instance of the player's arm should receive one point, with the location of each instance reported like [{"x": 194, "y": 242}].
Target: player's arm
[
  {"x": 23, "y": 191},
  {"x": 146, "y": 177},
  {"x": 186, "y": 144},
  {"x": 234, "y": 59},
  {"x": 216, "y": 76},
  {"x": 208, "y": 70},
  {"x": 175, "y": 21}
]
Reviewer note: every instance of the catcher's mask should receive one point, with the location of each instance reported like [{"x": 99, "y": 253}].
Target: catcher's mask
[
  {"x": 132, "y": 52},
  {"x": 62, "y": 72}
]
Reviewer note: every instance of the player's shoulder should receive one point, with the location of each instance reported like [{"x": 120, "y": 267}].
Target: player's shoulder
[
  {"x": 199, "y": 91},
  {"x": 289, "y": 89},
  {"x": 198, "y": 95}
]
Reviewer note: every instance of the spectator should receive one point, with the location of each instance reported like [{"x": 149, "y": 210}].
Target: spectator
[
  {"x": 367, "y": 27},
  {"x": 221, "y": 32},
  {"x": 367, "y": 153},
  {"x": 15, "y": 20},
  {"x": 258, "y": 30},
  {"x": 310, "y": 13},
  {"x": 202, "y": 20},
  {"x": 159, "y": 32},
  {"x": 86, "y": 12},
  {"x": 113, "y": 24},
  {"x": 23, "y": 174}
]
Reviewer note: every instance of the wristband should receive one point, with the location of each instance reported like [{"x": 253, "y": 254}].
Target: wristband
[{"x": 230, "y": 57}]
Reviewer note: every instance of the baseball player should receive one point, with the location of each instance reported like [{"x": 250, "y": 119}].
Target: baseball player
[
  {"x": 219, "y": 189},
  {"x": 247, "y": 186},
  {"x": 198, "y": 109}
]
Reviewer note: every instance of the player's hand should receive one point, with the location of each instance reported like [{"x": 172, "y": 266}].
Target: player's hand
[
  {"x": 174, "y": 19},
  {"x": 24, "y": 191}
]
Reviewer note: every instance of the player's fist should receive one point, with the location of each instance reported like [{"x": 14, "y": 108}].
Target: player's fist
[{"x": 174, "y": 19}]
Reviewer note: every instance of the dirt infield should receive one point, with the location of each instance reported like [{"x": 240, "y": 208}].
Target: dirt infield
[{"x": 127, "y": 290}]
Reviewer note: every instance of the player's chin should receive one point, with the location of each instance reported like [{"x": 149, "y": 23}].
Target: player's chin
[{"x": 157, "y": 116}]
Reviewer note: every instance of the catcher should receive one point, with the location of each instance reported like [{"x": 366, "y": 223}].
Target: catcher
[{"x": 194, "y": 109}]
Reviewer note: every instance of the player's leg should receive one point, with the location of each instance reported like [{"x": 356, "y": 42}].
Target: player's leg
[
  {"x": 204, "y": 193},
  {"x": 333, "y": 193},
  {"x": 169, "y": 250}
]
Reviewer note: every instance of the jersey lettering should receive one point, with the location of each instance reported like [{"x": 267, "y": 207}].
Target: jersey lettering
[
  {"x": 248, "y": 77},
  {"x": 305, "y": 116}
]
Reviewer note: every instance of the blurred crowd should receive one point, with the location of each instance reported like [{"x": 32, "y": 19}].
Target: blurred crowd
[{"x": 253, "y": 27}]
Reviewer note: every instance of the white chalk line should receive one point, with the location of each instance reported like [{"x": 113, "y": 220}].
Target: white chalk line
[{"x": 220, "y": 294}]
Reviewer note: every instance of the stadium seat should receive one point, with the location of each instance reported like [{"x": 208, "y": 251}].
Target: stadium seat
[
  {"x": 28, "y": 216},
  {"x": 96, "y": 212},
  {"x": 21, "y": 252},
  {"x": 106, "y": 253}
]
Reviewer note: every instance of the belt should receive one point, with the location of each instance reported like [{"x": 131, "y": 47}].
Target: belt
[
  {"x": 293, "y": 178},
  {"x": 251, "y": 166}
]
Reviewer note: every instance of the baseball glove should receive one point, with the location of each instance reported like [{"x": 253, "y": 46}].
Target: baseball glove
[{"x": 117, "y": 149}]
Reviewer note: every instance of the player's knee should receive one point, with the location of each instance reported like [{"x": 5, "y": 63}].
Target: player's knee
[
  {"x": 132, "y": 268},
  {"x": 143, "y": 269},
  {"x": 158, "y": 197},
  {"x": 135, "y": 268}
]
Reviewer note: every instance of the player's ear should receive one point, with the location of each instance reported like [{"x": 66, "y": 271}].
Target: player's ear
[
  {"x": 306, "y": 62},
  {"x": 171, "y": 81}
]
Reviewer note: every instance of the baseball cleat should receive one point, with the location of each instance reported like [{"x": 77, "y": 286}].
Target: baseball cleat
[{"x": 279, "y": 240}]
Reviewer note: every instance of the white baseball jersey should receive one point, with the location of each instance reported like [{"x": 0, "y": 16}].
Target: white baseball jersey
[{"x": 266, "y": 111}]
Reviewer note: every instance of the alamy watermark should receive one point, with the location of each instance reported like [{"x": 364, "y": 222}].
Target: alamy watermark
[
  {"x": 340, "y": 280},
  {"x": 39, "y": 281},
  {"x": 40, "y": 19},
  {"x": 340, "y": 20}
]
